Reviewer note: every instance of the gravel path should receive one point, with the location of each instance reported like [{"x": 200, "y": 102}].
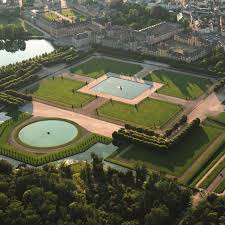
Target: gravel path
[
  {"x": 91, "y": 124},
  {"x": 212, "y": 105}
]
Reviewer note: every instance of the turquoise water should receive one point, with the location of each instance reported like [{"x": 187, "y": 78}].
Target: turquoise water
[
  {"x": 48, "y": 133},
  {"x": 33, "y": 48},
  {"x": 116, "y": 86}
]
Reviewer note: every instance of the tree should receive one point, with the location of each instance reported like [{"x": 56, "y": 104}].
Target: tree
[
  {"x": 157, "y": 216},
  {"x": 5, "y": 167}
]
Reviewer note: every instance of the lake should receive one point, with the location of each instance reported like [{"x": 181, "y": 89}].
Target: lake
[{"x": 32, "y": 49}]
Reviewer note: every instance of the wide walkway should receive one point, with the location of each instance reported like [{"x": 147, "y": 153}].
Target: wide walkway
[
  {"x": 212, "y": 105},
  {"x": 91, "y": 124}
]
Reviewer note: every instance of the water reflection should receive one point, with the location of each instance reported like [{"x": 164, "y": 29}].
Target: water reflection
[
  {"x": 17, "y": 51},
  {"x": 13, "y": 46}
]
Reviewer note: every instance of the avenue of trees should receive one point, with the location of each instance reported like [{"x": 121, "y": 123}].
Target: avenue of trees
[
  {"x": 16, "y": 76},
  {"x": 137, "y": 16},
  {"x": 95, "y": 196}
]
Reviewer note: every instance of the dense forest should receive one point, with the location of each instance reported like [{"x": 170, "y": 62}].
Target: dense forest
[
  {"x": 137, "y": 17},
  {"x": 92, "y": 197},
  {"x": 86, "y": 194}
]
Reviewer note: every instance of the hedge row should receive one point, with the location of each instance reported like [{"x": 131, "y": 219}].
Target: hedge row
[
  {"x": 19, "y": 95},
  {"x": 38, "y": 160},
  {"x": 142, "y": 130},
  {"x": 11, "y": 101},
  {"x": 131, "y": 136}
]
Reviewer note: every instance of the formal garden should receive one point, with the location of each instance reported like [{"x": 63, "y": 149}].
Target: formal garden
[
  {"x": 149, "y": 113},
  {"x": 62, "y": 91},
  {"x": 178, "y": 159},
  {"x": 11, "y": 144},
  {"x": 159, "y": 135}
]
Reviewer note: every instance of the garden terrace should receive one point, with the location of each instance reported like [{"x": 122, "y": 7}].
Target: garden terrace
[
  {"x": 179, "y": 85},
  {"x": 98, "y": 66},
  {"x": 180, "y": 158},
  {"x": 62, "y": 91},
  {"x": 149, "y": 113},
  {"x": 80, "y": 145},
  {"x": 152, "y": 140}
]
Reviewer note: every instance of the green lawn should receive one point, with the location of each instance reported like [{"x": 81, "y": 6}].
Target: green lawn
[
  {"x": 96, "y": 67},
  {"x": 220, "y": 118},
  {"x": 16, "y": 21},
  {"x": 179, "y": 85},
  {"x": 178, "y": 159},
  {"x": 147, "y": 113},
  {"x": 221, "y": 187},
  {"x": 60, "y": 91}
]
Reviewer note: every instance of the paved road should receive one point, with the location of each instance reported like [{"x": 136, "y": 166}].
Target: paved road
[{"x": 91, "y": 124}]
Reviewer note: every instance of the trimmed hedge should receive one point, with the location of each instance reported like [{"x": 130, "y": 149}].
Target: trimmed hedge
[
  {"x": 38, "y": 160},
  {"x": 147, "y": 138}
]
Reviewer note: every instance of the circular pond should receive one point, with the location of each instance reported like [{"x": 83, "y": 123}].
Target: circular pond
[{"x": 48, "y": 133}]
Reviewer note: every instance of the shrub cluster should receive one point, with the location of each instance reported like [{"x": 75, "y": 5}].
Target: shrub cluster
[{"x": 219, "y": 85}]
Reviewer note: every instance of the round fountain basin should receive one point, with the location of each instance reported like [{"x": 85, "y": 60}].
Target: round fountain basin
[{"x": 48, "y": 133}]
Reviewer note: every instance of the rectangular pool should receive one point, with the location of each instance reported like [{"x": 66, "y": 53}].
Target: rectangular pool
[{"x": 121, "y": 88}]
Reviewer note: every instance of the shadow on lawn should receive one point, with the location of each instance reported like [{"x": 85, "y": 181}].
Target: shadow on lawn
[
  {"x": 176, "y": 158},
  {"x": 184, "y": 84}
]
